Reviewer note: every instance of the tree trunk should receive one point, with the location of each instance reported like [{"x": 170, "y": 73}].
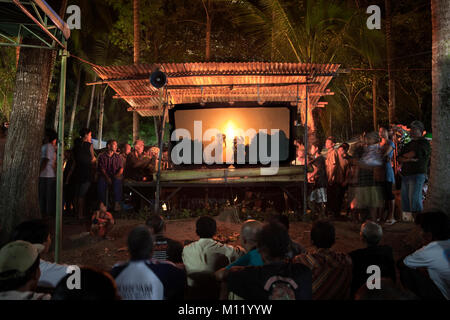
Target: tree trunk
[
  {"x": 136, "y": 48},
  {"x": 74, "y": 109},
  {"x": 350, "y": 107},
  {"x": 91, "y": 103},
  {"x": 439, "y": 192},
  {"x": 18, "y": 186},
  {"x": 374, "y": 102},
  {"x": 100, "y": 118},
  {"x": 389, "y": 52}
]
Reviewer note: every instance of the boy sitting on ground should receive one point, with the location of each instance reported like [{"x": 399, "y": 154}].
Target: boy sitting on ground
[{"x": 102, "y": 222}]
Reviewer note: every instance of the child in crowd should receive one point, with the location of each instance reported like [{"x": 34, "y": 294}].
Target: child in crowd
[{"x": 102, "y": 222}]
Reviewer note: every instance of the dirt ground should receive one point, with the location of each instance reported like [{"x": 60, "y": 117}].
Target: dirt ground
[{"x": 81, "y": 249}]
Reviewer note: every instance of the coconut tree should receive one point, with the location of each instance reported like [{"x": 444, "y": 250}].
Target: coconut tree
[{"x": 440, "y": 157}]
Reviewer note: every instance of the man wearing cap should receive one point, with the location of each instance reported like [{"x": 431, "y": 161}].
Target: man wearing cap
[
  {"x": 414, "y": 158},
  {"x": 19, "y": 272}
]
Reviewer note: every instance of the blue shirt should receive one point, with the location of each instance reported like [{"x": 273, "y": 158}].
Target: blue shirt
[
  {"x": 252, "y": 258},
  {"x": 389, "y": 171}
]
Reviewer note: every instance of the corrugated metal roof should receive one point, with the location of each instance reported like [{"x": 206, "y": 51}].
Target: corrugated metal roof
[{"x": 218, "y": 82}]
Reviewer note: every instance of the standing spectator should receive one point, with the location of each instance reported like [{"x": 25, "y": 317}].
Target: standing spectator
[
  {"x": 332, "y": 167},
  {"x": 143, "y": 278},
  {"x": 204, "y": 257},
  {"x": 369, "y": 194},
  {"x": 110, "y": 168},
  {"x": 414, "y": 158},
  {"x": 125, "y": 150},
  {"x": 37, "y": 233},
  {"x": 84, "y": 159},
  {"x": 47, "y": 175},
  {"x": 341, "y": 177},
  {"x": 164, "y": 248},
  {"x": 278, "y": 278},
  {"x": 388, "y": 148},
  {"x": 426, "y": 272},
  {"x": 318, "y": 179},
  {"x": 102, "y": 222},
  {"x": 19, "y": 272},
  {"x": 374, "y": 254},
  {"x": 331, "y": 271},
  {"x": 95, "y": 285}
]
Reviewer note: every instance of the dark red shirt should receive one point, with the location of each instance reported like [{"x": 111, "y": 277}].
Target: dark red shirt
[{"x": 111, "y": 165}]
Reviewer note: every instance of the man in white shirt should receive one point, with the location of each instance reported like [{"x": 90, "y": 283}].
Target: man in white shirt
[
  {"x": 434, "y": 257},
  {"x": 37, "y": 233},
  {"x": 47, "y": 175},
  {"x": 204, "y": 257},
  {"x": 143, "y": 278}
]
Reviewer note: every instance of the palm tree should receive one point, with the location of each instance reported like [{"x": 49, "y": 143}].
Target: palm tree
[{"x": 440, "y": 171}]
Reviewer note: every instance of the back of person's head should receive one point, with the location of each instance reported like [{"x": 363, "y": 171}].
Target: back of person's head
[
  {"x": 249, "y": 232},
  {"x": 371, "y": 233},
  {"x": 50, "y": 135},
  {"x": 206, "y": 227},
  {"x": 435, "y": 222},
  {"x": 84, "y": 132},
  {"x": 94, "y": 285},
  {"x": 280, "y": 218},
  {"x": 19, "y": 264},
  {"x": 140, "y": 243},
  {"x": 156, "y": 223},
  {"x": 387, "y": 291},
  {"x": 33, "y": 231},
  {"x": 323, "y": 234},
  {"x": 345, "y": 146},
  {"x": 273, "y": 240}
]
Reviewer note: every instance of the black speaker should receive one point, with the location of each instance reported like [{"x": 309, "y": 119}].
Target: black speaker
[{"x": 158, "y": 79}]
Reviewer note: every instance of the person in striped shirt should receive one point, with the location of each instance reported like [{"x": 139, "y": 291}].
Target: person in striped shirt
[{"x": 331, "y": 270}]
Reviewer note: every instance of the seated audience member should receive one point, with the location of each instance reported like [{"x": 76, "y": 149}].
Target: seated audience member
[
  {"x": 249, "y": 240},
  {"x": 381, "y": 256},
  {"x": 94, "y": 285},
  {"x": 278, "y": 278},
  {"x": 294, "y": 247},
  {"x": 204, "y": 257},
  {"x": 331, "y": 271},
  {"x": 387, "y": 291},
  {"x": 102, "y": 222},
  {"x": 164, "y": 248},
  {"x": 426, "y": 272},
  {"x": 137, "y": 166},
  {"x": 110, "y": 173},
  {"x": 19, "y": 272},
  {"x": 143, "y": 278},
  {"x": 37, "y": 233},
  {"x": 125, "y": 150}
]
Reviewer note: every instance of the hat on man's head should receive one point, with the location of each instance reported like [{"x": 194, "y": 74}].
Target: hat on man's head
[
  {"x": 418, "y": 125},
  {"x": 16, "y": 258}
]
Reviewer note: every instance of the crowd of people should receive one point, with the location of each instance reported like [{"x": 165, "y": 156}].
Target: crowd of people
[
  {"x": 359, "y": 179},
  {"x": 84, "y": 168},
  {"x": 267, "y": 265}
]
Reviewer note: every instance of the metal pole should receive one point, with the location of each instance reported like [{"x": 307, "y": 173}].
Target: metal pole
[
  {"x": 158, "y": 175},
  {"x": 59, "y": 165},
  {"x": 305, "y": 181}
]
